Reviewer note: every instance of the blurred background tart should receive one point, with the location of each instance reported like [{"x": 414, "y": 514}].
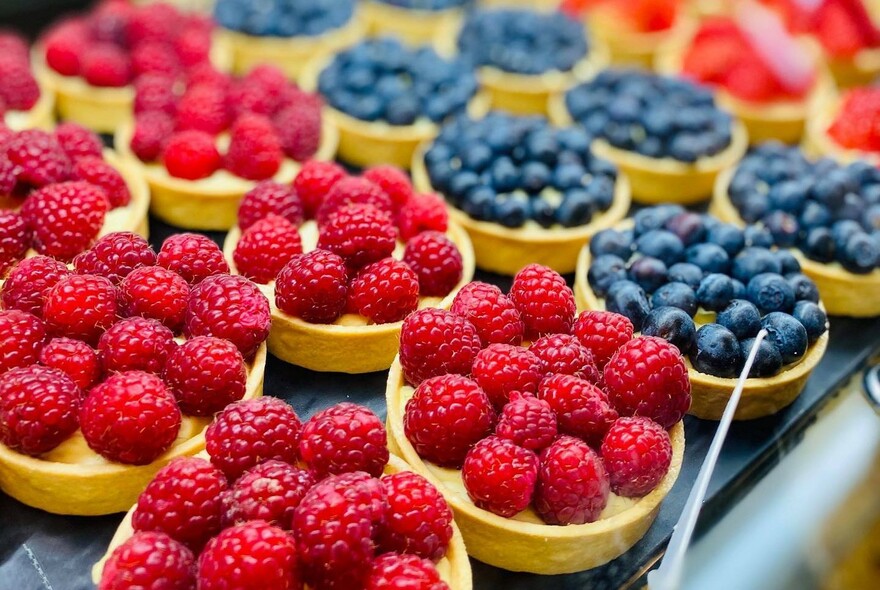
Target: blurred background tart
[
  {"x": 23, "y": 104},
  {"x": 412, "y": 21},
  {"x": 841, "y": 127}
]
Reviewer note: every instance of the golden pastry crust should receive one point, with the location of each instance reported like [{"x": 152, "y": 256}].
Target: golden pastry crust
[
  {"x": 40, "y": 116},
  {"x": 412, "y": 26},
  {"x": 860, "y": 70},
  {"x": 627, "y": 47}
]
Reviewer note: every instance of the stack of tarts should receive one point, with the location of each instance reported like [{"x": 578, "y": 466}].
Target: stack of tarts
[
  {"x": 23, "y": 104},
  {"x": 344, "y": 259},
  {"x": 554, "y": 438},
  {"x": 113, "y": 369}
]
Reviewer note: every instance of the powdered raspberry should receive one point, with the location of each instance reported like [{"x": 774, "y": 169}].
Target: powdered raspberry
[
  {"x": 647, "y": 377},
  {"x": 437, "y": 262},
  {"x": 266, "y": 247},
  {"x": 545, "y": 303},
  {"x": 527, "y": 421},
  {"x": 15, "y": 240},
  {"x": 361, "y": 234},
  {"x": 101, "y": 174},
  {"x": 149, "y": 560},
  {"x": 155, "y": 92},
  {"x": 75, "y": 358},
  {"x": 637, "y": 453},
  {"x": 500, "y": 476},
  {"x": 77, "y": 141},
  {"x": 314, "y": 181},
  {"x": 114, "y": 256},
  {"x": 154, "y": 57},
  {"x": 581, "y": 408},
  {"x": 193, "y": 256},
  {"x": 19, "y": 90},
  {"x": 393, "y": 570},
  {"x": 130, "y": 418},
  {"x": 64, "y": 46},
  {"x": 394, "y": 182},
  {"x": 422, "y": 213},
  {"x": 419, "y": 520},
  {"x": 299, "y": 130},
  {"x": 105, "y": 65},
  {"x": 313, "y": 287},
  {"x": 491, "y": 313},
  {"x": 38, "y": 158},
  {"x": 572, "y": 483},
  {"x": 80, "y": 306},
  {"x": 271, "y": 491},
  {"x": 155, "y": 292},
  {"x": 562, "y": 353},
  {"x": 353, "y": 190},
  {"x": 191, "y": 155},
  {"x": 151, "y": 130},
  {"x": 205, "y": 375},
  {"x": 21, "y": 337},
  {"x": 136, "y": 344},
  {"x": 203, "y": 108},
  {"x": 501, "y": 369},
  {"x": 251, "y": 555},
  {"x": 385, "y": 291},
  {"x": 602, "y": 332},
  {"x": 254, "y": 149},
  {"x": 436, "y": 342},
  {"x": 268, "y": 197},
  {"x": 29, "y": 282},
  {"x": 345, "y": 437},
  {"x": 49, "y": 211}
]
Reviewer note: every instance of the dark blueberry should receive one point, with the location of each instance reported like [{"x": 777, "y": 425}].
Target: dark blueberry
[
  {"x": 871, "y": 218},
  {"x": 812, "y": 317},
  {"x": 612, "y": 241},
  {"x": 728, "y": 236},
  {"x": 709, "y": 257},
  {"x": 689, "y": 227},
  {"x": 804, "y": 287},
  {"x": 574, "y": 139},
  {"x": 784, "y": 228},
  {"x": 600, "y": 167},
  {"x": 671, "y": 324},
  {"x": 742, "y": 183},
  {"x": 830, "y": 189},
  {"x": 568, "y": 176},
  {"x": 739, "y": 289},
  {"x": 787, "y": 334},
  {"x": 758, "y": 236},
  {"x": 767, "y": 361},
  {"x": 601, "y": 191},
  {"x": 625, "y": 109},
  {"x": 403, "y": 110},
  {"x": 661, "y": 244},
  {"x": 543, "y": 211},
  {"x": 753, "y": 207},
  {"x": 654, "y": 218},
  {"x": 814, "y": 215},
  {"x": 658, "y": 122},
  {"x": 476, "y": 157},
  {"x": 542, "y": 146},
  {"x": 648, "y": 272},
  {"x": 871, "y": 194},
  {"x": 686, "y": 147},
  {"x": 770, "y": 292},
  {"x": 675, "y": 295},
  {"x": 715, "y": 292},
  {"x": 861, "y": 172},
  {"x": 843, "y": 230},
  {"x": 576, "y": 208},
  {"x": 505, "y": 176},
  {"x": 740, "y": 317},
  {"x": 535, "y": 176},
  {"x": 861, "y": 254},
  {"x": 462, "y": 183},
  {"x": 687, "y": 273},
  {"x": 511, "y": 211},
  {"x": 788, "y": 195},
  {"x": 717, "y": 352},
  {"x": 853, "y": 207},
  {"x": 651, "y": 147},
  {"x": 788, "y": 262},
  {"x": 479, "y": 203},
  {"x": 819, "y": 245},
  {"x": 627, "y": 298},
  {"x": 605, "y": 271},
  {"x": 754, "y": 261}
]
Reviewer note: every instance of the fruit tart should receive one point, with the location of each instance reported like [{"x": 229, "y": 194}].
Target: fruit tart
[
  {"x": 90, "y": 62},
  {"x": 842, "y": 127},
  {"x": 554, "y": 438},
  {"x": 203, "y": 144},
  {"x": 386, "y": 98},
  {"x": 524, "y": 191},
  {"x": 23, "y": 104},
  {"x": 275, "y": 504},
  {"x": 344, "y": 259},
  {"x": 285, "y": 33},
  {"x": 412, "y": 21},
  {"x": 827, "y": 213},
  {"x": 115, "y": 367}
]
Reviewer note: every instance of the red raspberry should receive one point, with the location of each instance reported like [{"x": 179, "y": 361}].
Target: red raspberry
[
  {"x": 544, "y": 301},
  {"x": 14, "y": 45},
  {"x": 361, "y": 234},
  {"x": 203, "y": 108},
  {"x": 136, "y": 344},
  {"x": 21, "y": 337},
  {"x": 254, "y": 148},
  {"x": 314, "y": 181},
  {"x": 184, "y": 501},
  {"x": 250, "y": 555},
  {"x": 437, "y": 262},
  {"x": 77, "y": 141},
  {"x": 572, "y": 483},
  {"x": 562, "y": 353},
  {"x": 422, "y": 213},
  {"x": 155, "y": 292},
  {"x": 155, "y": 92},
  {"x": 261, "y": 91},
  {"x": 49, "y": 211},
  {"x": 8, "y": 171},
  {"x": 151, "y": 132},
  {"x": 65, "y": 44},
  {"x": 38, "y": 158},
  {"x": 191, "y": 155},
  {"x": 193, "y": 256},
  {"x": 38, "y": 409},
  {"x": 352, "y": 190},
  {"x": 637, "y": 453},
  {"x": 436, "y": 342},
  {"x": 269, "y": 197},
  {"x": 101, "y": 174},
  {"x": 266, "y": 247},
  {"x": 393, "y": 570},
  {"x": 385, "y": 291},
  {"x": 154, "y": 58},
  {"x": 249, "y": 432},
  {"x": 419, "y": 520},
  {"x": 581, "y": 408},
  {"x": 345, "y": 437},
  {"x": 394, "y": 182},
  {"x": 445, "y": 417},
  {"x": 108, "y": 21},
  {"x": 491, "y": 313},
  {"x": 647, "y": 377},
  {"x": 19, "y": 90},
  {"x": 15, "y": 240},
  {"x": 270, "y": 491},
  {"x": 105, "y": 65},
  {"x": 149, "y": 560},
  {"x": 299, "y": 130},
  {"x": 313, "y": 287},
  {"x": 500, "y": 476},
  {"x": 29, "y": 283},
  {"x": 361, "y": 489},
  {"x": 602, "y": 332},
  {"x": 152, "y": 22},
  {"x": 229, "y": 307},
  {"x": 75, "y": 358},
  {"x": 114, "y": 256},
  {"x": 205, "y": 375},
  {"x": 206, "y": 73},
  {"x": 80, "y": 306},
  {"x": 501, "y": 369},
  {"x": 527, "y": 421}
]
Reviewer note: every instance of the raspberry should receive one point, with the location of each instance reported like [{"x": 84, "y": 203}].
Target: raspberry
[
  {"x": 13, "y": 45},
  {"x": 193, "y": 256},
  {"x": 64, "y": 46},
  {"x": 191, "y": 155},
  {"x": 271, "y": 83},
  {"x": 562, "y": 353},
  {"x": 75, "y": 358},
  {"x": 572, "y": 483},
  {"x": 249, "y": 432},
  {"x": 149, "y": 560},
  {"x": 393, "y": 570},
  {"x": 29, "y": 283},
  {"x": 647, "y": 377},
  {"x": 15, "y": 240},
  {"x": 343, "y": 438},
  {"x": 108, "y": 21},
  {"x": 545, "y": 303},
  {"x": 437, "y": 262},
  {"x": 154, "y": 58},
  {"x": 314, "y": 181},
  {"x": 500, "y": 476},
  {"x": 130, "y": 418},
  {"x": 80, "y": 306},
  {"x": 419, "y": 520},
  {"x": 362, "y": 489},
  {"x": 602, "y": 333},
  {"x": 155, "y": 92},
  {"x": 154, "y": 22},
  {"x": 637, "y": 453},
  {"x": 299, "y": 130},
  {"x": 203, "y": 108},
  {"x": 385, "y": 291},
  {"x": 38, "y": 409},
  {"x": 77, "y": 141},
  {"x": 205, "y": 375},
  {"x": 501, "y": 369},
  {"x": 268, "y": 197},
  {"x": 206, "y": 73},
  {"x": 266, "y": 247},
  {"x": 436, "y": 342},
  {"x": 361, "y": 234},
  {"x": 422, "y": 213},
  {"x": 50, "y": 210},
  {"x": 527, "y": 421},
  {"x": 270, "y": 491},
  {"x": 445, "y": 417},
  {"x": 38, "y": 158},
  {"x": 136, "y": 344},
  {"x": 21, "y": 337},
  {"x": 394, "y": 182},
  {"x": 151, "y": 131},
  {"x": 155, "y": 292},
  {"x": 105, "y": 65},
  {"x": 8, "y": 171},
  {"x": 229, "y": 307},
  {"x": 101, "y": 174},
  {"x": 313, "y": 287},
  {"x": 352, "y": 190},
  {"x": 254, "y": 148},
  {"x": 247, "y": 97},
  {"x": 581, "y": 408},
  {"x": 491, "y": 313},
  {"x": 251, "y": 555},
  {"x": 19, "y": 90},
  {"x": 114, "y": 256},
  {"x": 184, "y": 501}
]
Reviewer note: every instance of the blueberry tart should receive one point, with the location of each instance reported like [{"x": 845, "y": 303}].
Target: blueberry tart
[{"x": 412, "y": 21}]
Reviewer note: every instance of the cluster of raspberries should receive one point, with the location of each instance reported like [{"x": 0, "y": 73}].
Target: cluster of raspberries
[
  {"x": 558, "y": 425},
  {"x": 62, "y": 189},
  {"x": 98, "y": 348},
  {"x": 18, "y": 87},
  {"x": 280, "y": 504},
  {"x": 265, "y": 117},
  {"x": 359, "y": 221}
]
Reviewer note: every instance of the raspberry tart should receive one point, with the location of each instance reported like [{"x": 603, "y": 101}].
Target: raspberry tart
[
  {"x": 113, "y": 369},
  {"x": 261, "y": 509},
  {"x": 412, "y": 21},
  {"x": 524, "y": 416},
  {"x": 522, "y": 189},
  {"x": 708, "y": 287},
  {"x": 842, "y": 127},
  {"x": 344, "y": 259},
  {"x": 23, "y": 104}
]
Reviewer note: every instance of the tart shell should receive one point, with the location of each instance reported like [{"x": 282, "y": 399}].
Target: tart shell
[
  {"x": 531, "y": 546},
  {"x": 860, "y": 70},
  {"x": 412, "y": 26},
  {"x": 627, "y": 47},
  {"x": 40, "y": 116}
]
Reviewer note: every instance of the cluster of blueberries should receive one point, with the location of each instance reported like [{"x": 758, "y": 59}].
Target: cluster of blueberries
[
  {"x": 283, "y": 18},
  {"x": 382, "y": 79},
  {"x": 829, "y": 211},
  {"x": 513, "y": 169},
  {"x": 522, "y": 41},
  {"x": 427, "y": 4},
  {"x": 675, "y": 264},
  {"x": 656, "y": 116}
]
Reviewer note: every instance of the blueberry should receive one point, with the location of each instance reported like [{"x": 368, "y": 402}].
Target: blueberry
[
  {"x": 767, "y": 361},
  {"x": 784, "y": 228},
  {"x": 812, "y": 317},
  {"x": 787, "y": 334},
  {"x": 687, "y": 273},
  {"x": 842, "y": 230},
  {"x": 628, "y": 299},
  {"x": 742, "y": 183},
  {"x": 568, "y": 176},
  {"x": 717, "y": 352},
  {"x": 476, "y": 157},
  {"x": 740, "y": 317},
  {"x": 686, "y": 147},
  {"x": 675, "y": 295},
  {"x": 852, "y": 208},
  {"x": 804, "y": 287},
  {"x": 648, "y": 272},
  {"x": 612, "y": 241},
  {"x": 819, "y": 245},
  {"x": 814, "y": 215},
  {"x": 535, "y": 176},
  {"x": 753, "y": 207},
  {"x": 542, "y": 146},
  {"x": 708, "y": 257},
  {"x": 661, "y": 244},
  {"x": 728, "y": 236},
  {"x": 871, "y": 218},
  {"x": 787, "y": 261},
  {"x": 654, "y": 218},
  {"x": 739, "y": 289},
  {"x": 689, "y": 227},
  {"x": 601, "y": 191},
  {"x": 671, "y": 324},
  {"x": 403, "y": 110},
  {"x": 462, "y": 183},
  {"x": 658, "y": 122},
  {"x": 605, "y": 271},
  {"x": 715, "y": 292},
  {"x": 511, "y": 211},
  {"x": 830, "y": 189},
  {"x": 505, "y": 176},
  {"x": 479, "y": 203},
  {"x": 861, "y": 254},
  {"x": 788, "y": 195},
  {"x": 575, "y": 209},
  {"x": 757, "y": 236},
  {"x": 574, "y": 139},
  {"x": 770, "y": 292},
  {"x": 543, "y": 211},
  {"x": 754, "y": 261},
  {"x": 651, "y": 147}
]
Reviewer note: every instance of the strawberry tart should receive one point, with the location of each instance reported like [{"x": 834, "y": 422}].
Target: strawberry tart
[
  {"x": 845, "y": 128},
  {"x": 23, "y": 104}
]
